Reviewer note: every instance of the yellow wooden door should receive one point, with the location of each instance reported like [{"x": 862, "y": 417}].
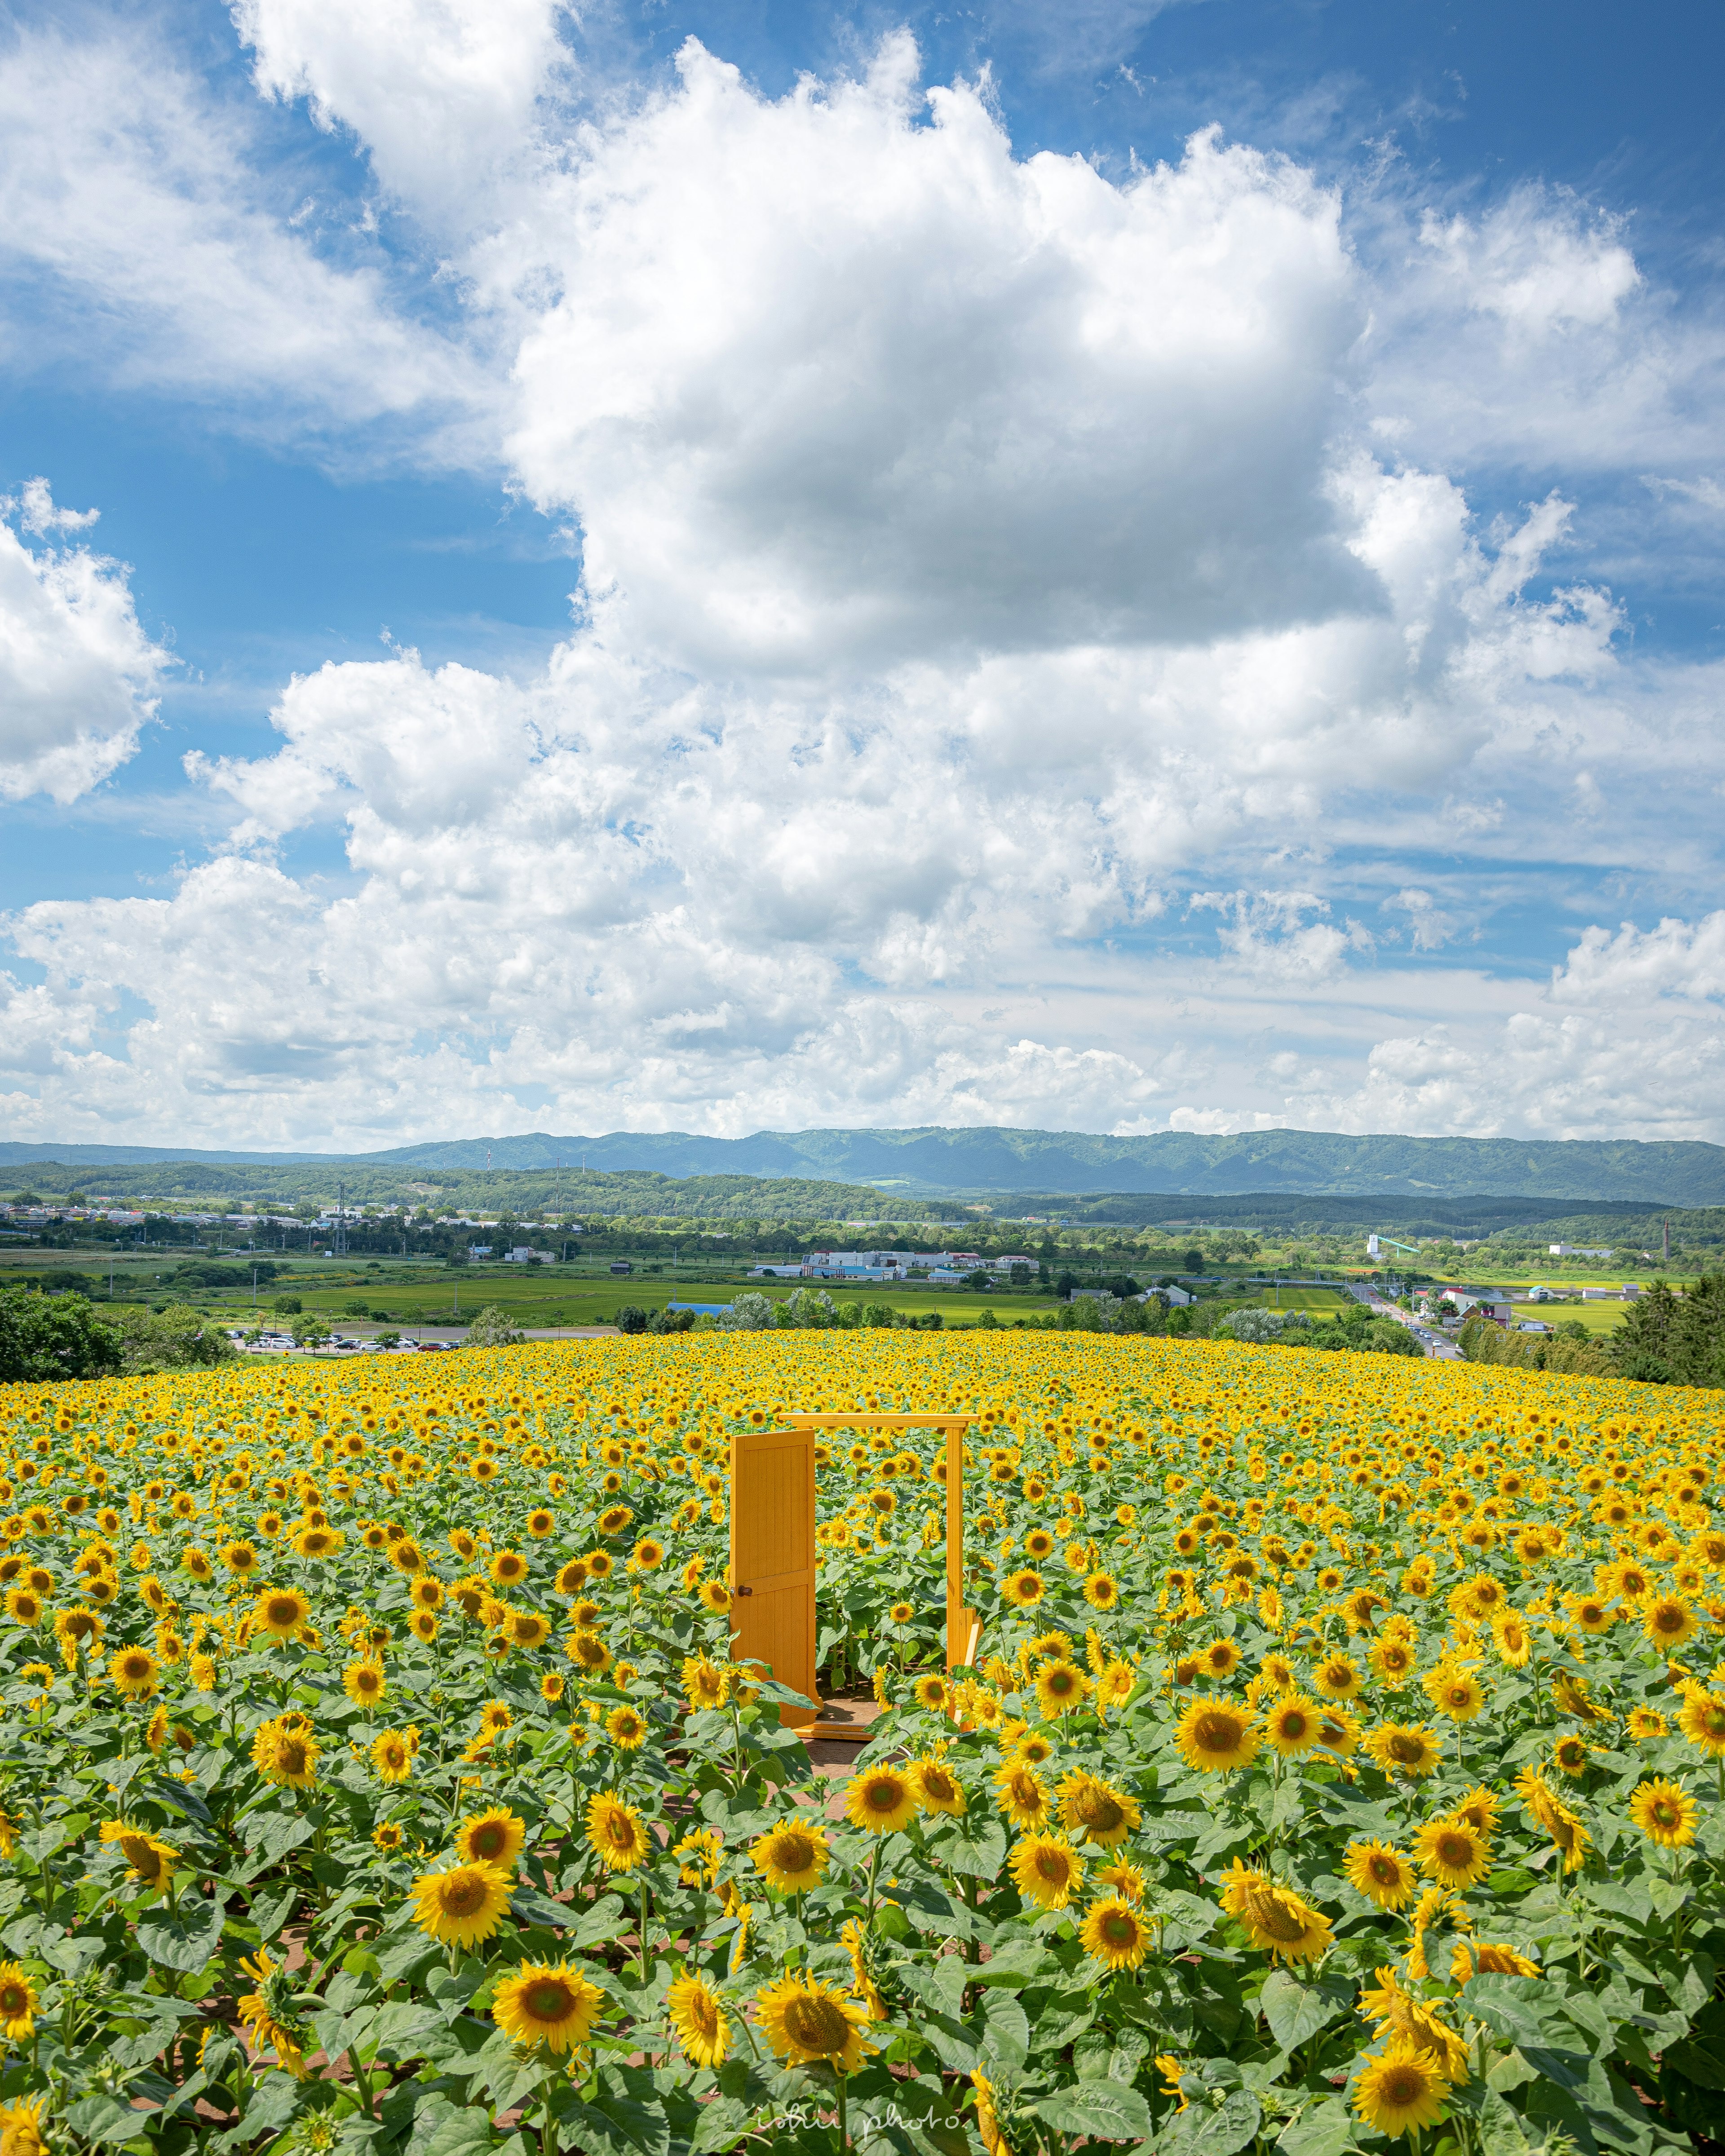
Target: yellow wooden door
[{"x": 773, "y": 1558}]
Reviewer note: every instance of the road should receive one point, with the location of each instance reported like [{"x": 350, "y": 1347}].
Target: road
[{"x": 1438, "y": 1348}]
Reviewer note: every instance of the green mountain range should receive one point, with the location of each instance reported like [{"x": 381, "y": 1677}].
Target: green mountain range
[{"x": 990, "y": 1163}]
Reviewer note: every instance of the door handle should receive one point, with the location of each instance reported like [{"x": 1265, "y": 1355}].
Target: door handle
[{"x": 745, "y": 1590}]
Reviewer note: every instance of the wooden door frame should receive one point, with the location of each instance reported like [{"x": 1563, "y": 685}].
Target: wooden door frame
[
  {"x": 963, "y": 1625},
  {"x": 750, "y": 1440}
]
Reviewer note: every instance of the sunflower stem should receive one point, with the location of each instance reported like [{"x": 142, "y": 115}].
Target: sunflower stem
[{"x": 843, "y": 2115}]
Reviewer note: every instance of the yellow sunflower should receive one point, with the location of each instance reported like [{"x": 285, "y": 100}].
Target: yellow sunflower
[
  {"x": 1293, "y": 1723},
  {"x": 1047, "y": 1871},
  {"x": 1401, "y": 1747},
  {"x": 284, "y": 1751},
  {"x": 135, "y": 1671},
  {"x": 1097, "y": 1809},
  {"x": 697, "y": 2014},
  {"x": 1382, "y": 1874},
  {"x": 1021, "y": 1795},
  {"x": 1212, "y": 1736},
  {"x": 1665, "y": 1813},
  {"x": 18, "y": 2003},
  {"x": 364, "y": 1683},
  {"x": 391, "y": 1755},
  {"x": 937, "y": 1788},
  {"x": 1274, "y": 1918},
  {"x": 1115, "y": 1934},
  {"x": 463, "y": 1905},
  {"x": 496, "y": 1837},
  {"x": 806, "y": 2020},
  {"x": 542, "y": 2004},
  {"x": 1401, "y": 2090},
  {"x": 281, "y": 1611},
  {"x": 881, "y": 1800},
  {"x": 615, "y": 1833},
  {"x": 1453, "y": 1852},
  {"x": 792, "y": 1855}
]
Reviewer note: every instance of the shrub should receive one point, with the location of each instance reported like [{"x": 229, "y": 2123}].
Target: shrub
[
  {"x": 749, "y": 1313},
  {"x": 41, "y": 1340},
  {"x": 491, "y": 1328}
]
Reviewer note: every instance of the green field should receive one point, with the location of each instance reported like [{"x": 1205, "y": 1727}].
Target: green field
[
  {"x": 534, "y": 1298},
  {"x": 1317, "y": 1301}
]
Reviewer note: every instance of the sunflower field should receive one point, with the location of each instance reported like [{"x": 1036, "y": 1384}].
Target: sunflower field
[{"x": 1343, "y": 1766}]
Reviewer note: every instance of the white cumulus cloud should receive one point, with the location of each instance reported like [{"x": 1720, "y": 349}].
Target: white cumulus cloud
[
  {"x": 837, "y": 379},
  {"x": 78, "y": 674},
  {"x": 440, "y": 91}
]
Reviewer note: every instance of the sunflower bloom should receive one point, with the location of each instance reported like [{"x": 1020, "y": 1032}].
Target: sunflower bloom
[
  {"x": 1702, "y": 1721},
  {"x": 1665, "y": 1813},
  {"x": 1212, "y": 1736},
  {"x": 391, "y": 1754},
  {"x": 881, "y": 1800},
  {"x": 1097, "y": 1809},
  {"x": 461, "y": 1906},
  {"x": 270, "y": 2015},
  {"x": 805, "y": 2021},
  {"x": 1277, "y": 1921},
  {"x": 1454, "y": 1853},
  {"x": 1115, "y": 1934},
  {"x": 18, "y": 2003},
  {"x": 615, "y": 1834},
  {"x": 135, "y": 1671},
  {"x": 697, "y": 2014},
  {"x": 1400, "y": 2091},
  {"x": 1021, "y": 1795},
  {"x": 1291, "y": 1725},
  {"x": 364, "y": 1683},
  {"x": 556, "y": 2006},
  {"x": 791, "y": 1856},
  {"x": 1047, "y": 1870},
  {"x": 937, "y": 1788},
  {"x": 281, "y": 1611},
  {"x": 1400, "y": 1747},
  {"x": 705, "y": 1684},
  {"x": 284, "y": 1751},
  {"x": 496, "y": 1837},
  {"x": 1382, "y": 1874},
  {"x": 148, "y": 1859}
]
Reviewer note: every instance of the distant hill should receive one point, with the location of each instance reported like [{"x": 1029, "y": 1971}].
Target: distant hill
[{"x": 992, "y": 1163}]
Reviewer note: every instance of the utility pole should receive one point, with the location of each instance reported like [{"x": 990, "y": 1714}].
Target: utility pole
[{"x": 1667, "y": 1239}]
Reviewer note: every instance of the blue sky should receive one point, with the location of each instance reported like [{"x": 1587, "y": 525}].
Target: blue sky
[{"x": 628, "y": 593}]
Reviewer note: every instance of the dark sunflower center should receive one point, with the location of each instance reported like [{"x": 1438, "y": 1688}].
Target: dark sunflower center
[{"x": 816, "y": 2025}]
